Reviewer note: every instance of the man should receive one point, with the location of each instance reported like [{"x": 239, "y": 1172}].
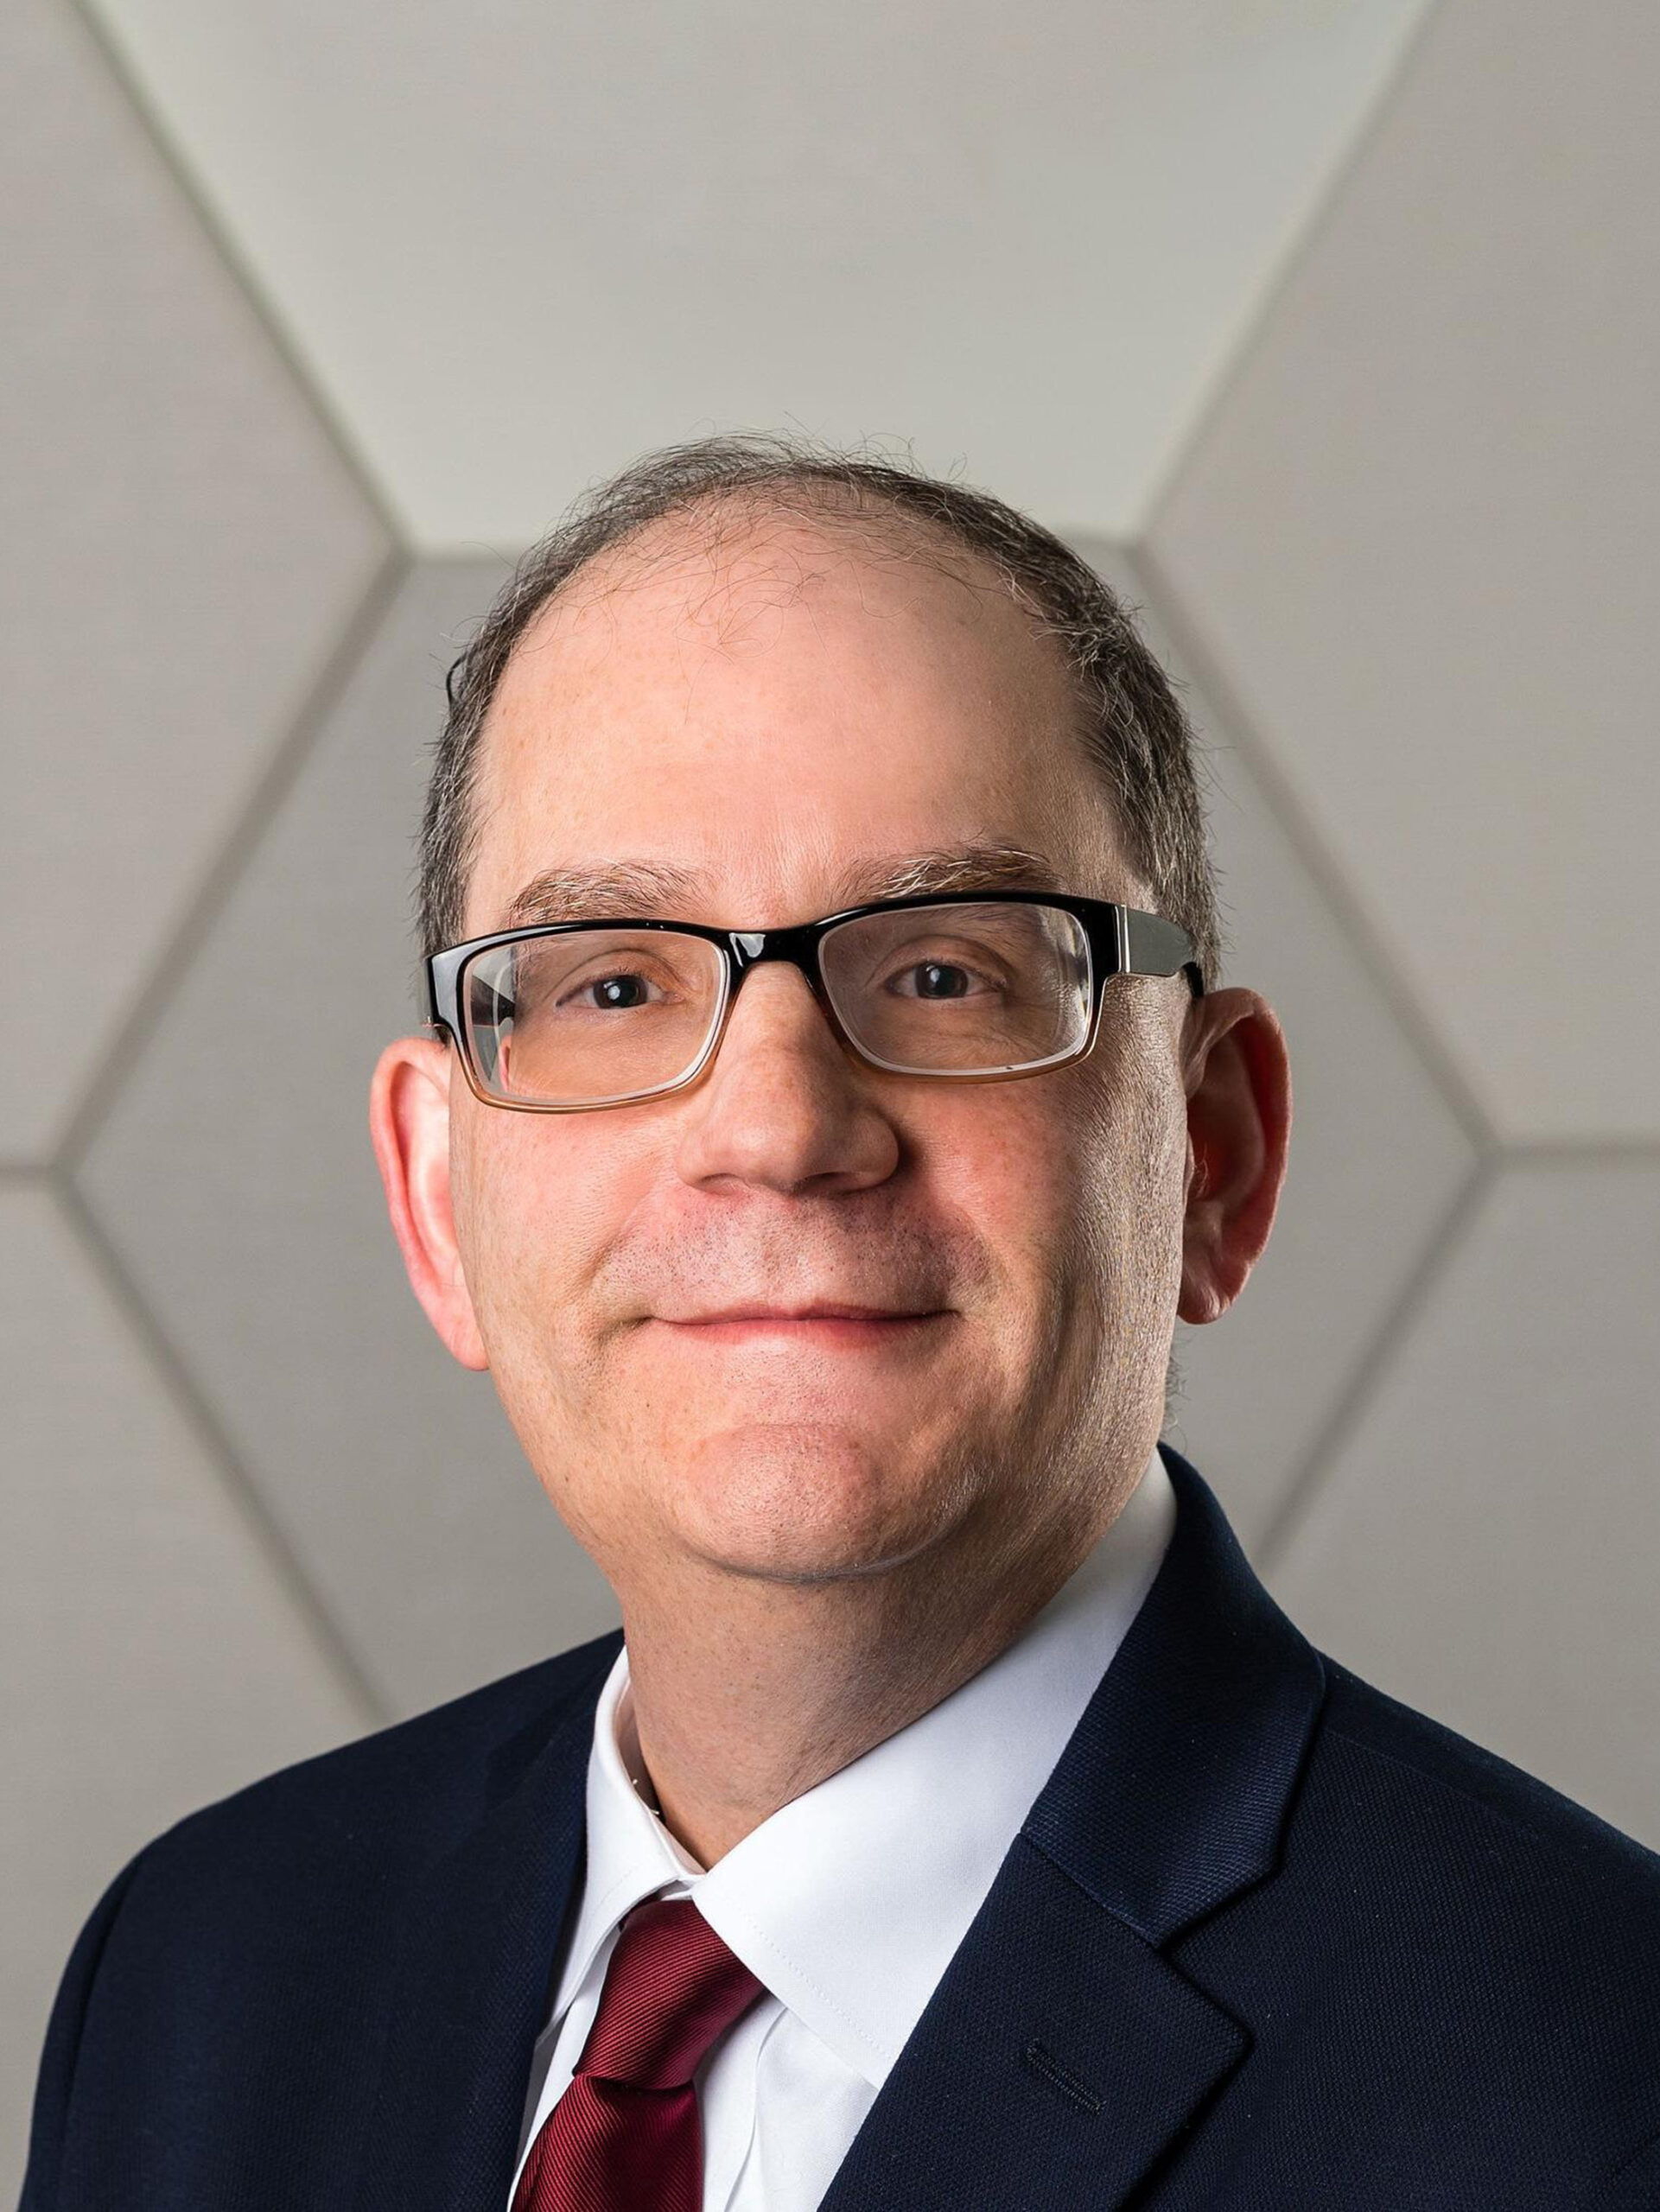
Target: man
[{"x": 955, "y": 1821}]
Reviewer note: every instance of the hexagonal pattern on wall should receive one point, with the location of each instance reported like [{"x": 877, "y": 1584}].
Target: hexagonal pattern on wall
[
  {"x": 181, "y": 547},
  {"x": 1378, "y": 1160},
  {"x": 1484, "y": 1541},
  {"x": 154, "y": 1657},
  {"x": 516, "y": 243},
  {"x": 1417, "y": 537},
  {"x": 235, "y": 1178}
]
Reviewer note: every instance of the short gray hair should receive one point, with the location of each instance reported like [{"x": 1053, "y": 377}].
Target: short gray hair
[{"x": 1134, "y": 730}]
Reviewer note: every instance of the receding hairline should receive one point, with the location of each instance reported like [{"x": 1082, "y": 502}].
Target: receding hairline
[
  {"x": 716, "y": 524},
  {"x": 705, "y": 526},
  {"x": 724, "y": 518},
  {"x": 671, "y": 504}
]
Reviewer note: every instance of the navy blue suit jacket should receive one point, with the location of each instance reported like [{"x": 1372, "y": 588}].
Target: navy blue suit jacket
[{"x": 1268, "y": 1939}]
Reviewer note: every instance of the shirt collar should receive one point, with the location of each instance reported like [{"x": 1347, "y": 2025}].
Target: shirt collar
[{"x": 849, "y": 1902}]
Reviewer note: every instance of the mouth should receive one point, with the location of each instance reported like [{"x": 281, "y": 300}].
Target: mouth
[{"x": 846, "y": 1326}]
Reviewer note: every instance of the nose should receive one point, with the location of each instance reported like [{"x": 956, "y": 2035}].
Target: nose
[{"x": 782, "y": 1104}]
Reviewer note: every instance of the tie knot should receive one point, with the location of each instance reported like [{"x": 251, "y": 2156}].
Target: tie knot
[{"x": 672, "y": 1987}]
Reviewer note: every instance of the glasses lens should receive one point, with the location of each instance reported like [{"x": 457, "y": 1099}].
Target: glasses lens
[
  {"x": 589, "y": 1016},
  {"x": 979, "y": 989}
]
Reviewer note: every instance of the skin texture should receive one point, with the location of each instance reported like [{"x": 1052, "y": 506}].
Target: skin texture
[{"x": 812, "y": 1544}]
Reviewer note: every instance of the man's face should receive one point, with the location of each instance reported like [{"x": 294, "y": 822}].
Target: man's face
[{"x": 769, "y": 710}]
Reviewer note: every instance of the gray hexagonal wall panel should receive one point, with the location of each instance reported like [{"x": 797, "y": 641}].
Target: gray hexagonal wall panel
[
  {"x": 236, "y": 1177},
  {"x": 180, "y": 546},
  {"x": 519, "y": 243},
  {"x": 1418, "y": 536},
  {"x": 1484, "y": 1544},
  {"x": 153, "y": 1657},
  {"x": 1378, "y": 1156}
]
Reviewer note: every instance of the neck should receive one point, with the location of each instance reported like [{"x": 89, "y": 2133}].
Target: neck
[{"x": 749, "y": 1691}]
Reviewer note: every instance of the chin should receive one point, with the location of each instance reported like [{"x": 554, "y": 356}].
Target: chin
[{"x": 801, "y": 1503}]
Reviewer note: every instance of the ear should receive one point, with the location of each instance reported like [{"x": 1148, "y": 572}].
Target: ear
[
  {"x": 409, "y": 1122},
  {"x": 1238, "y": 1077}
]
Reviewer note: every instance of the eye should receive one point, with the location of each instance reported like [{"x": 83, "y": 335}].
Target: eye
[
  {"x": 625, "y": 977},
  {"x": 953, "y": 969}
]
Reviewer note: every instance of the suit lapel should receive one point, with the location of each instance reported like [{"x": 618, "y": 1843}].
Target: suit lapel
[
  {"x": 1063, "y": 2053},
  {"x": 471, "y": 1985},
  {"x": 1058, "y": 2057}
]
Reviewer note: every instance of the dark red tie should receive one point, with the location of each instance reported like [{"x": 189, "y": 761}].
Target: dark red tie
[{"x": 626, "y": 2136}]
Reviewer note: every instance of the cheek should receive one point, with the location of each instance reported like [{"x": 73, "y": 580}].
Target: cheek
[
  {"x": 512, "y": 1225},
  {"x": 1037, "y": 1192},
  {"x": 1084, "y": 1183}
]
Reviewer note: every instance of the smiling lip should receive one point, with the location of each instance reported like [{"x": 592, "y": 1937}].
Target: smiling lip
[
  {"x": 847, "y": 1326},
  {"x": 804, "y": 1314}
]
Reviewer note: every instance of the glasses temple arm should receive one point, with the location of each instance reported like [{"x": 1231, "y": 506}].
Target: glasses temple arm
[{"x": 1157, "y": 947}]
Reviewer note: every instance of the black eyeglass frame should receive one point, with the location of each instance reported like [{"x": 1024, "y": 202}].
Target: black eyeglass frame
[{"x": 1122, "y": 941}]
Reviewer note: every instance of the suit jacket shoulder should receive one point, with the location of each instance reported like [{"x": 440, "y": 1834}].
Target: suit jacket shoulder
[
  {"x": 1524, "y": 1816},
  {"x": 252, "y": 1942},
  {"x": 409, "y": 1789},
  {"x": 1455, "y": 1965}
]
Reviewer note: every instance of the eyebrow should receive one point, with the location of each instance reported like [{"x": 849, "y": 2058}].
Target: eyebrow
[{"x": 635, "y": 889}]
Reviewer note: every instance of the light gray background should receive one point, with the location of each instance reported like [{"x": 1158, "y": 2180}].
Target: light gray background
[{"x": 1326, "y": 327}]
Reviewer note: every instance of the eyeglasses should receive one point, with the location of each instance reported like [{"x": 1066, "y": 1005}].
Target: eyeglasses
[{"x": 986, "y": 986}]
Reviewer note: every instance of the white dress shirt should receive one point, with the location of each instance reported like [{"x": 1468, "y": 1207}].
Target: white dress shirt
[{"x": 849, "y": 1902}]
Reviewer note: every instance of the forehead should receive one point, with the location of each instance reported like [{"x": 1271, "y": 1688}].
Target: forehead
[{"x": 765, "y": 710}]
